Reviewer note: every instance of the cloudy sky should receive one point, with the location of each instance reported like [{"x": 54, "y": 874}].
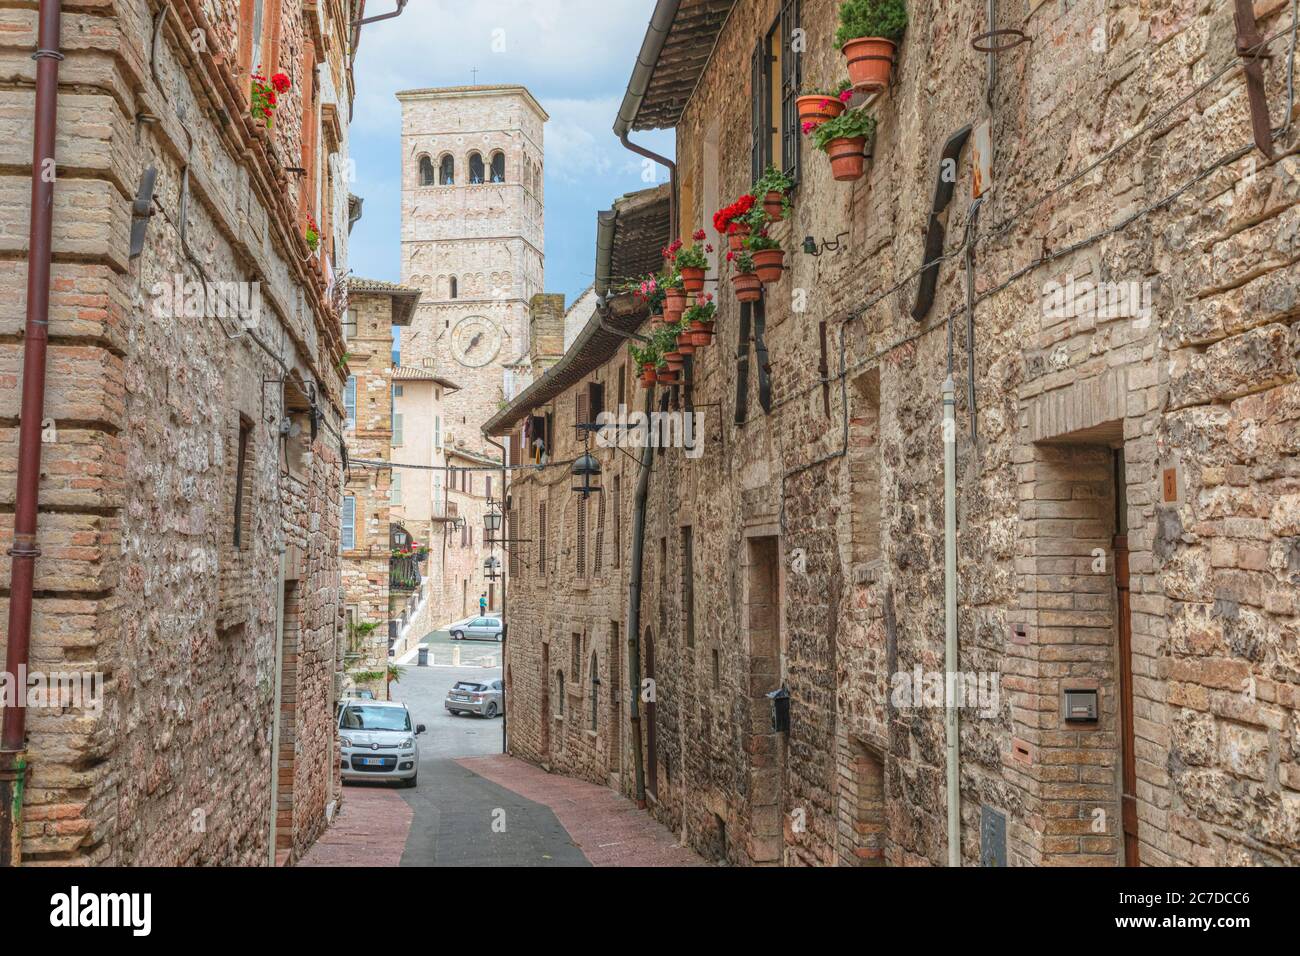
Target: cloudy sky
[{"x": 575, "y": 56}]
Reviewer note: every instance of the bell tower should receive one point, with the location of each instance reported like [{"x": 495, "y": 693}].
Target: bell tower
[{"x": 472, "y": 241}]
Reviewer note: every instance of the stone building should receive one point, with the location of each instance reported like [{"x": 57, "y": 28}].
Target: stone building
[
  {"x": 188, "y": 500},
  {"x": 373, "y": 429},
  {"x": 1127, "y": 480},
  {"x": 472, "y": 240}
]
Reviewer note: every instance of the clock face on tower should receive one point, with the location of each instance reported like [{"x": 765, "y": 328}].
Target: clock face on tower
[{"x": 475, "y": 341}]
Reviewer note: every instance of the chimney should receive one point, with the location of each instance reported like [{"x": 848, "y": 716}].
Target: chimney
[{"x": 545, "y": 331}]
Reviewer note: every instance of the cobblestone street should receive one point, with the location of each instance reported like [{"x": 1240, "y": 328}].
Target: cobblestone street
[{"x": 474, "y": 806}]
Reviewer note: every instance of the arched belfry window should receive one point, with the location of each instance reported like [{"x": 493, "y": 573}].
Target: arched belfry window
[
  {"x": 426, "y": 171},
  {"x": 475, "y": 169},
  {"x": 453, "y": 287},
  {"x": 498, "y": 167},
  {"x": 447, "y": 171}
]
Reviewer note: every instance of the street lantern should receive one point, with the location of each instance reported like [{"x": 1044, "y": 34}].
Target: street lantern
[
  {"x": 586, "y": 468},
  {"x": 492, "y": 521}
]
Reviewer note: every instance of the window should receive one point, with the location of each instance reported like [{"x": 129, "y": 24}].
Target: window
[
  {"x": 397, "y": 391},
  {"x": 594, "y": 680},
  {"x": 622, "y": 385},
  {"x": 453, "y": 287},
  {"x": 395, "y": 489},
  {"x": 397, "y": 427},
  {"x": 350, "y": 402},
  {"x": 791, "y": 81},
  {"x": 447, "y": 171},
  {"x": 475, "y": 169},
  {"x": 575, "y": 649},
  {"x": 348, "y": 524},
  {"x": 437, "y": 431},
  {"x": 487, "y": 489},
  {"x": 776, "y": 73},
  {"x": 242, "y": 484},
  {"x": 350, "y": 325},
  {"x": 511, "y": 522},
  {"x": 426, "y": 171},
  {"x": 559, "y": 693},
  {"x": 498, "y": 167}
]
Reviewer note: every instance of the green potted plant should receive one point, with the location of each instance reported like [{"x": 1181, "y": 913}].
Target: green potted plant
[
  {"x": 699, "y": 319},
  {"x": 311, "y": 233},
  {"x": 647, "y": 359},
  {"x": 744, "y": 280},
  {"x": 691, "y": 261},
  {"x": 674, "y": 295},
  {"x": 844, "y": 140},
  {"x": 868, "y": 37},
  {"x": 774, "y": 186},
  {"x": 817, "y": 104},
  {"x": 769, "y": 257}
]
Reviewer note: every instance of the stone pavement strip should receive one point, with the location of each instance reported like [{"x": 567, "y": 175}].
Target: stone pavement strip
[
  {"x": 370, "y": 830},
  {"x": 606, "y": 826}
]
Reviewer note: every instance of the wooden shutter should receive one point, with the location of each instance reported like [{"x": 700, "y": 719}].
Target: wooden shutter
[
  {"x": 582, "y": 537},
  {"x": 581, "y": 398},
  {"x": 541, "y": 538},
  {"x": 791, "y": 81},
  {"x": 758, "y": 112},
  {"x": 599, "y": 559},
  {"x": 512, "y": 448}
]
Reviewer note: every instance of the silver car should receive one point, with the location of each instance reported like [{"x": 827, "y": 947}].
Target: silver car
[
  {"x": 378, "y": 742},
  {"x": 483, "y": 697},
  {"x": 476, "y": 629}
]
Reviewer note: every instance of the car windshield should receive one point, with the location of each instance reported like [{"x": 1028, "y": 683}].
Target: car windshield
[
  {"x": 376, "y": 718},
  {"x": 467, "y": 685}
]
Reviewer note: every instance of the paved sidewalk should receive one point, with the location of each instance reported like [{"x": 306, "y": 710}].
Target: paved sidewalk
[
  {"x": 370, "y": 830},
  {"x": 606, "y": 826}
]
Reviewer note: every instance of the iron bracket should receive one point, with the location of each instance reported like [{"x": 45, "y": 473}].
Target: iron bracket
[{"x": 1250, "y": 44}]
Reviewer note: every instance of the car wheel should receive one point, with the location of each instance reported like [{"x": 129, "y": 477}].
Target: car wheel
[
  {"x": 498, "y": 637},
  {"x": 490, "y": 711},
  {"x": 458, "y": 635},
  {"x": 410, "y": 784}
]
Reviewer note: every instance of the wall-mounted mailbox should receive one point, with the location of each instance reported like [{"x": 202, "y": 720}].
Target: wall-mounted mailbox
[{"x": 1080, "y": 706}]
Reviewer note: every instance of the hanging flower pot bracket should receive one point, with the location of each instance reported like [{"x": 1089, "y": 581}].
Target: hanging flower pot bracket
[{"x": 1250, "y": 47}]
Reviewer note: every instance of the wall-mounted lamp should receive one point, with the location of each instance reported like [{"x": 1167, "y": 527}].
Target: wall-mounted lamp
[
  {"x": 586, "y": 468},
  {"x": 827, "y": 245}
]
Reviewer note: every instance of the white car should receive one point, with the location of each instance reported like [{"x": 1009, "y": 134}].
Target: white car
[
  {"x": 476, "y": 629},
  {"x": 378, "y": 741}
]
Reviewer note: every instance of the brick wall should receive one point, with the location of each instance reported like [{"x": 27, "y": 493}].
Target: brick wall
[
  {"x": 846, "y": 476},
  {"x": 140, "y": 577}
]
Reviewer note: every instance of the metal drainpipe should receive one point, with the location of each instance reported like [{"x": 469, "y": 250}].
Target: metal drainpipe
[
  {"x": 634, "y": 601},
  {"x": 661, "y": 22},
  {"x": 23, "y": 553},
  {"x": 950, "y": 617},
  {"x": 505, "y": 621}
]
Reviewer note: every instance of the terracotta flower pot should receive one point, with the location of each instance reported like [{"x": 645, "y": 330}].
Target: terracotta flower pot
[
  {"x": 817, "y": 109},
  {"x": 848, "y": 158},
  {"x": 674, "y": 360},
  {"x": 666, "y": 376},
  {"x": 769, "y": 264},
  {"x": 693, "y": 279},
  {"x": 674, "y": 304},
  {"x": 747, "y": 286},
  {"x": 870, "y": 60},
  {"x": 736, "y": 239},
  {"x": 686, "y": 343},
  {"x": 648, "y": 380},
  {"x": 702, "y": 334},
  {"x": 773, "y": 206}
]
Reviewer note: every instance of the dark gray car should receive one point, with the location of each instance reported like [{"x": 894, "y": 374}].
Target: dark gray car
[{"x": 483, "y": 697}]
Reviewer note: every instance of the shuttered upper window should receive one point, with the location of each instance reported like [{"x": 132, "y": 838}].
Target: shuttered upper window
[{"x": 776, "y": 73}]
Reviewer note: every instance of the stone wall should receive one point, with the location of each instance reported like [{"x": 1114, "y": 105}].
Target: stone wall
[
  {"x": 1175, "y": 429},
  {"x": 145, "y": 575}
]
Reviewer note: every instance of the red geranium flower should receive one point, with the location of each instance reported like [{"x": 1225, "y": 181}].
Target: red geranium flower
[{"x": 280, "y": 82}]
